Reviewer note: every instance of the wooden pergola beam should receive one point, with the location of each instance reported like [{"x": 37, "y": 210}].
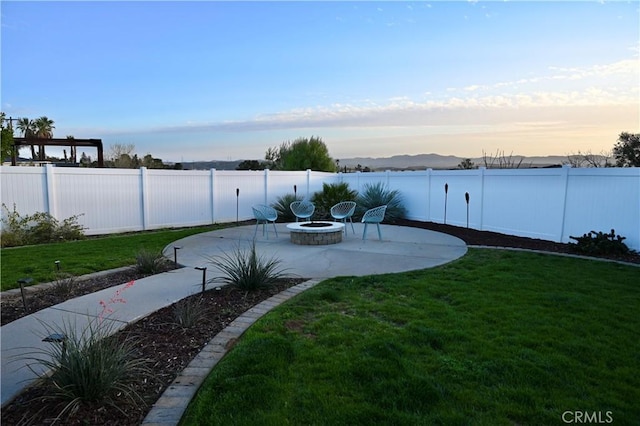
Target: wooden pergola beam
[{"x": 94, "y": 143}]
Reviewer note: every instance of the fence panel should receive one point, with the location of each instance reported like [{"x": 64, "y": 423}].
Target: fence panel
[{"x": 550, "y": 204}]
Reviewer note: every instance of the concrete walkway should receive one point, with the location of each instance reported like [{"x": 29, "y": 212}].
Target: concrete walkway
[{"x": 402, "y": 249}]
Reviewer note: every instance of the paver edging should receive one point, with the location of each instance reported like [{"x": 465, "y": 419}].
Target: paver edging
[{"x": 168, "y": 409}]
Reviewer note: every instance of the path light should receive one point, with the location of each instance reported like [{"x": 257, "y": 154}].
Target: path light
[
  {"x": 204, "y": 276},
  {"x": 22, "y": 282},
  {"x": 466, "y": 197},
  {"x": 295, "y": 192},
  {"x": 57, "y": 262},
  {"x": 175, "y": 254},
  {"x": 446, "y": 191},
  {"x": 58, "y": 338}
]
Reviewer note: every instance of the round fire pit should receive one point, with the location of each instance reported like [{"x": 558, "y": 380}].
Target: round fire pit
[{"x": 315, "y": 233}]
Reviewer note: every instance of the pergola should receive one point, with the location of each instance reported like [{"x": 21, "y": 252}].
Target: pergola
[{"x": 20, "y": 142}]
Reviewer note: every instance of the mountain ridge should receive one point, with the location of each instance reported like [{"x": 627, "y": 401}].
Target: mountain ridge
[{"x": 408, "y": 162}]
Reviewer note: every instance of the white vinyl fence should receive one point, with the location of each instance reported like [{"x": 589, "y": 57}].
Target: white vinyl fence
[{"x": 550, "y": 204}]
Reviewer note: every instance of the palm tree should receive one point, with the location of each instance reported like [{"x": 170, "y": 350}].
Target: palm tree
[
  {"x": 28, "y": 129},
  {"x": 44, "y": 130}
]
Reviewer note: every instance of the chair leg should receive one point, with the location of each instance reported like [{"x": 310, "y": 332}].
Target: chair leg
[
  {"x": 379, "y": 233},
  {"x": 364, "y": 234},
  {"x": 274, "y": 228},
  {"x": 256, "y": 231},
  {"x": 352, "y": 228}
]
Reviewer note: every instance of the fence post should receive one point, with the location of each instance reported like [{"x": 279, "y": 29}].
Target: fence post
[
  {"x": 266, "y": 186},
  {"x": 482, "y": 171},
  {"x": 429, "y": 194},
  {"x": 212, "y": 194},
  {"x": 51, "y": 191},
  {"x": 144, "y": 198},
  {"x": 565, "y": 175}
]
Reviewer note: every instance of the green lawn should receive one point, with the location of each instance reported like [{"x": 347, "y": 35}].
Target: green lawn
[
  {"x": 495, "y": 338},
  {"x": 85, "y": 256}
]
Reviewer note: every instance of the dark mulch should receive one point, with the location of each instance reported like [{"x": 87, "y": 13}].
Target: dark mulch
[{"x": 169, "y": 347}]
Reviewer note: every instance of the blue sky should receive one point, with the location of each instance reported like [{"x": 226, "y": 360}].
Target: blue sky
[{"x": 208, "y": 80}]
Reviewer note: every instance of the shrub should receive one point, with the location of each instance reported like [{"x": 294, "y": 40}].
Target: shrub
[
  {"x": 282, "y": 207},
  {"x": 246, "y": 270},
  {"x": 331, "y": 195},
  {"x": 38, "y": 228},
  {"x": 377, "y": 194},
  {"x": 63, "y": 283},
  {"x": 600, "y": 243},
  {"x": 89, "y": 367},
  {"x": 149, "y": 262},
  {"x": 188, "y": 312}
]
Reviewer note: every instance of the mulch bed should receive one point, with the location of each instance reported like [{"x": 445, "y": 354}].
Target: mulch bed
[{"x": 170, "y": 347}]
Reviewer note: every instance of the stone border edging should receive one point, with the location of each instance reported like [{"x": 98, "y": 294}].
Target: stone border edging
[{"x": 172, "y": 404}]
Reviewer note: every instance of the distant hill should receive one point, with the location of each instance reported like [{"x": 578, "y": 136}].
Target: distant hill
[
  {"x": 397, "y": 162},
  {"x": 436, "y": 161}
]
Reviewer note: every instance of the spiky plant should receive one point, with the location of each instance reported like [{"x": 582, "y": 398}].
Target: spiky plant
[
  {"x": 282, "y": 207},
  {"x": 377, "y": 194},
  {"x": 331, "y": 195},
  {"x": 245, "y": 269},
  {"x": 89, "y": 366}
]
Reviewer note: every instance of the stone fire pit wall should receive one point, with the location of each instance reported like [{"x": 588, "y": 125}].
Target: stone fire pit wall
[{"x": 316, "y": 236}]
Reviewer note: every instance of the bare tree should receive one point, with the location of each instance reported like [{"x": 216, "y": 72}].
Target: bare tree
[
  {"x": 502, "y": 161},
  {"x": 121, "y": 155},
  {"x": 589, "y": 159}
]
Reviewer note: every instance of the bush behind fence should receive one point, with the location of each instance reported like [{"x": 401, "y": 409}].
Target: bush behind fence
[{"x": 550, "y": 204}]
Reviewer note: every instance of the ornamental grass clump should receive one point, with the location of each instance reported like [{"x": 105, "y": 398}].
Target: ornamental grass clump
[
  {"x": 88, "y": 367},
  {"x": 245, "y": 269},
  {"x": 150, "y": 262},
  {"x": 188, "y": 312},
  {"x": 282, "y": 207},
  {"x": 331, "y": 195},
  {"x": 377, "y": 194}
]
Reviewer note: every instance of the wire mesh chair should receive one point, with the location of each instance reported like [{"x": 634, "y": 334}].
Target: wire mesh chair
[
  {"x": 375, "y": 215},
  {"x": 342, "y": 212},
  {"x": 302, "y": 210},
  {"x": 264, "y": 214}
]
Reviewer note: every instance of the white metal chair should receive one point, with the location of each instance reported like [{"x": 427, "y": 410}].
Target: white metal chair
[
  {"x": 342, "y": 212},
  {"x": 302, "y": 209},
  {"x": 264, "y": 214},
  {"x": 375, "y": 215}
]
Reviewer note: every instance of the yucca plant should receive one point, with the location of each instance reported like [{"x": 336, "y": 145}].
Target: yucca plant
[
  {"x": 282, "y": 207},
  {"x": 331, "y": 195},
  {"x": 377, "y": 194},
  {"x": 91, "y": 366},
  {"x": 245, "y": 269}
]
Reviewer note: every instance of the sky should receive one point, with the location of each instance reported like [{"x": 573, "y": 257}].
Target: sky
[{"x": 210, "y": 80}]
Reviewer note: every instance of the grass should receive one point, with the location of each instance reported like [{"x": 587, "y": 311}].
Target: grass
[
  {"x": 495, "y": 338},
  {"x": 85, "y": 256}
]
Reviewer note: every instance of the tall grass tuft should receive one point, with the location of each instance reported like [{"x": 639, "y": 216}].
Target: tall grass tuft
[
  {"x": 188, "y": 312},
  {"x": 90, "y": 366},
  {"x": 377, "y": 194},
  {"x": 247, "y": 270},
  {"x": 150, "y": 262}
]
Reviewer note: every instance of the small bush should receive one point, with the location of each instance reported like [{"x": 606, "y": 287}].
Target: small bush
[
  {"x": 600, "y": 243},
  {"x": 89, "y": 367},
  {"x": 377, "y": 194},
  {"x": 188, "y": 312},
  {"x": 38, "y": 228},
  {"x": 331, "y": 195},
  {"x": 149, "y": 262},
  {"x": 63, "y": 284},
  {"x": 282, "y": 207},
  {"x": 246, "y": 270}
]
